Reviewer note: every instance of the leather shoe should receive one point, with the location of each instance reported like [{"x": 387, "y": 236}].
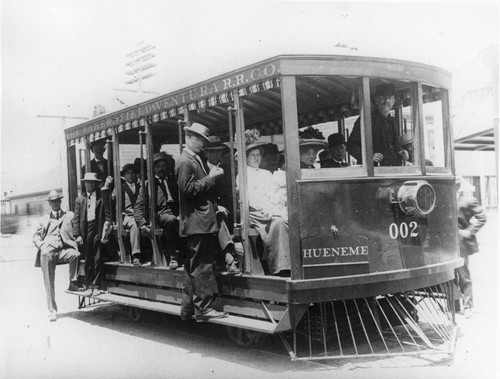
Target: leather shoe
[
  {"x": 209, "y": 314},
  {"x": 232, "y": 268},
  {"x": 187, "y": 313},
  {"x": 136, "y": 261},
  {"x": 173, "y": 264},
  {"x": 73, "y": 287}
]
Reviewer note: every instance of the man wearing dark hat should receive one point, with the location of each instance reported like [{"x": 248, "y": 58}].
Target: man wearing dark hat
[
  {"x": 272, "y": 158},
  {"x": 198, "y": 223},
  {"x": 56, "y": 245},
  {"x": 336, "y": 149},
  {"x": 130, "y": 191},
  {"x": 167, "y": 206},
  {"x": 99, "y": 164},
  {"x": 216, "y": 154},
  {"x": 87, "y": 224},
  {"x": 385, "y": 134}
]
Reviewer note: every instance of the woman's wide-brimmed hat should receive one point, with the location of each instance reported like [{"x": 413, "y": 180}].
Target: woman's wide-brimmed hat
[
  {"x": 54, "y": 195},
  {"x": 313, "y": 142},
  {"x": 252, "y": 140},
  {"x": 198, "y": 129},
  {"x": 90, "y": 177}
]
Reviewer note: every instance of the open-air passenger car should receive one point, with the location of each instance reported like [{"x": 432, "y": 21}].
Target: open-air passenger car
[{"x": 373, "y": 249}]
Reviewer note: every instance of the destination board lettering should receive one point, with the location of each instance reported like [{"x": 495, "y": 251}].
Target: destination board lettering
[
  {"x": 327, "y": 249},
  {"x": 178, "y": 99},
  {"x": 325, "y": 252}
]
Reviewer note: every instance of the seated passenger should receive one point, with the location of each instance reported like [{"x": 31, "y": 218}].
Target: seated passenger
[
  {"x": 266, "y": 215},
  {"x": 406, "y": 141},
  {"x": 336, "y": 150},
  {"x": 167, "y": 206},
  {"x": 130, "y": 191},
  {"x": 386, "y": 148},
  {"x": 309, "y": 149},
  {"x": 216, "y": 153},
  {"x": 272, "y": 159}
]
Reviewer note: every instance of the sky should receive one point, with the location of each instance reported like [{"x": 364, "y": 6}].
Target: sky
[{"x": 62, "y": 57}]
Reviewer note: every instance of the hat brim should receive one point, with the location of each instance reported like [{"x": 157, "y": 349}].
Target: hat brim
[
  {"x": 188, "y": 129},
  {"x": 56, "y": 198},
  {"x": 218, "y": 147},
  {"x": 320, "y": 144},
  {"x": 91, "y": 180},
  {"x": 255, "y": 145}
]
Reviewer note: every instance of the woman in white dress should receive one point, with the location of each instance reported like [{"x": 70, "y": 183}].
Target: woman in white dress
[{"x": 267, "y": 208}]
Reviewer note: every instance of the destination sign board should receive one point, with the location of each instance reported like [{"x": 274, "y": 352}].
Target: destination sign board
[
  {"x": 347, "y": 248},
  {"x": 217, "y": 86}
]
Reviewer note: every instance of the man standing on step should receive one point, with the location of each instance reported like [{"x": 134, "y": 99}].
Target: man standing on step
[
  {"x": 198, "y": 223},
  {"x": 56, "y": 245}
]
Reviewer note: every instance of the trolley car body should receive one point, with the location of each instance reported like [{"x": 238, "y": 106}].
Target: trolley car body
[{"x": 359, "y": 232}]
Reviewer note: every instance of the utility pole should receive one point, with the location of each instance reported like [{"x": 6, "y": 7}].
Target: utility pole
[{"x": 138, "y": 67}]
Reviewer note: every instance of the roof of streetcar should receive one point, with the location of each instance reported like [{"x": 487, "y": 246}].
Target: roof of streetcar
[{"x": 217, "y": 93}]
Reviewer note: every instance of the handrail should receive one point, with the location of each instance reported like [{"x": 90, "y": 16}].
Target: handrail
[
  {"x": 230, "y": 111},
  {"x": 158, "y": 257}
]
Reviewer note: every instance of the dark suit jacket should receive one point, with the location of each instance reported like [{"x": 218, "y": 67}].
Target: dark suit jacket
[
  {"x": 80, "y": 219},
  {"x": 94, "y": 167},
  {"x": 197, "y": 197},
  {"x": 385, "y": 136},
  {"x": 65, "y": 230},
  {"x": 128, "y": 200},
  {"x": 162, "y": 205}
]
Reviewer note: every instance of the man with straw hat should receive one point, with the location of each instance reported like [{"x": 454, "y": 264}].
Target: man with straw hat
[
  {"x": 56, "y": 245},
  {"x": 89, "y": 215},
  {"x": 198, "y": 223}
]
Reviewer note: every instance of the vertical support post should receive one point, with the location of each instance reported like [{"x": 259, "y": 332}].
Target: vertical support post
[
  {"x": 242, "y": 178},
  {"x": 366, "y": 126},
  {"x": 124, "y": 257},
  {"x": 158, "y": 257},
  {"x": 448, "y": 131},
  {"x": 418, "y": 121},
  {"x": 72, "y": 176},
  {"x": 142, "y": 173},
  {"x": 87, "y": 155},
  {"x": 290, "y": 130},
  {"x": 230, "y": 111}
]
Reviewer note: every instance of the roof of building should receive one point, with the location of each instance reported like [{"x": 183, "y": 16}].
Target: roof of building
[{"x": 481, "y": 141}]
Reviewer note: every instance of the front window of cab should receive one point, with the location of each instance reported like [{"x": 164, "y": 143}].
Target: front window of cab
[{"x": 333, "y": 128}]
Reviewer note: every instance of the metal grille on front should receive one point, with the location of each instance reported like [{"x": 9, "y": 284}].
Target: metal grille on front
[{"x": 414, "y": 322}]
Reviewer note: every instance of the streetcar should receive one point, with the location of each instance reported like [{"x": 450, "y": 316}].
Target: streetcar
[{"x": 373, "y": 248}]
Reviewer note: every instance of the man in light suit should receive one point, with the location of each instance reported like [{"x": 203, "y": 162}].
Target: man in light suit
[
  {"x": 198, "y": 223},
  {"x": 167, "y": 206},
  {"x": 56, "y": 245}
]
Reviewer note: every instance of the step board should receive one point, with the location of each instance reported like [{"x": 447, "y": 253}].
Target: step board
[{"x": 231, "y": 320}]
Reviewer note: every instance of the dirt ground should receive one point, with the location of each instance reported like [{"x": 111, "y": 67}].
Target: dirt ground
[{"x": 101, "y": 342}]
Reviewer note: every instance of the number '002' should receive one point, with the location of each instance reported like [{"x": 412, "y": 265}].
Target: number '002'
[{"x": 403, "y": 230}]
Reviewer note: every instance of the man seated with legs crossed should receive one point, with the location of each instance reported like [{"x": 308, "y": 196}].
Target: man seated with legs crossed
[
  {"x": 167, "y": 206},
  {"x": 56, "y": 245},
  {"x": 130, "y": 191}
]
